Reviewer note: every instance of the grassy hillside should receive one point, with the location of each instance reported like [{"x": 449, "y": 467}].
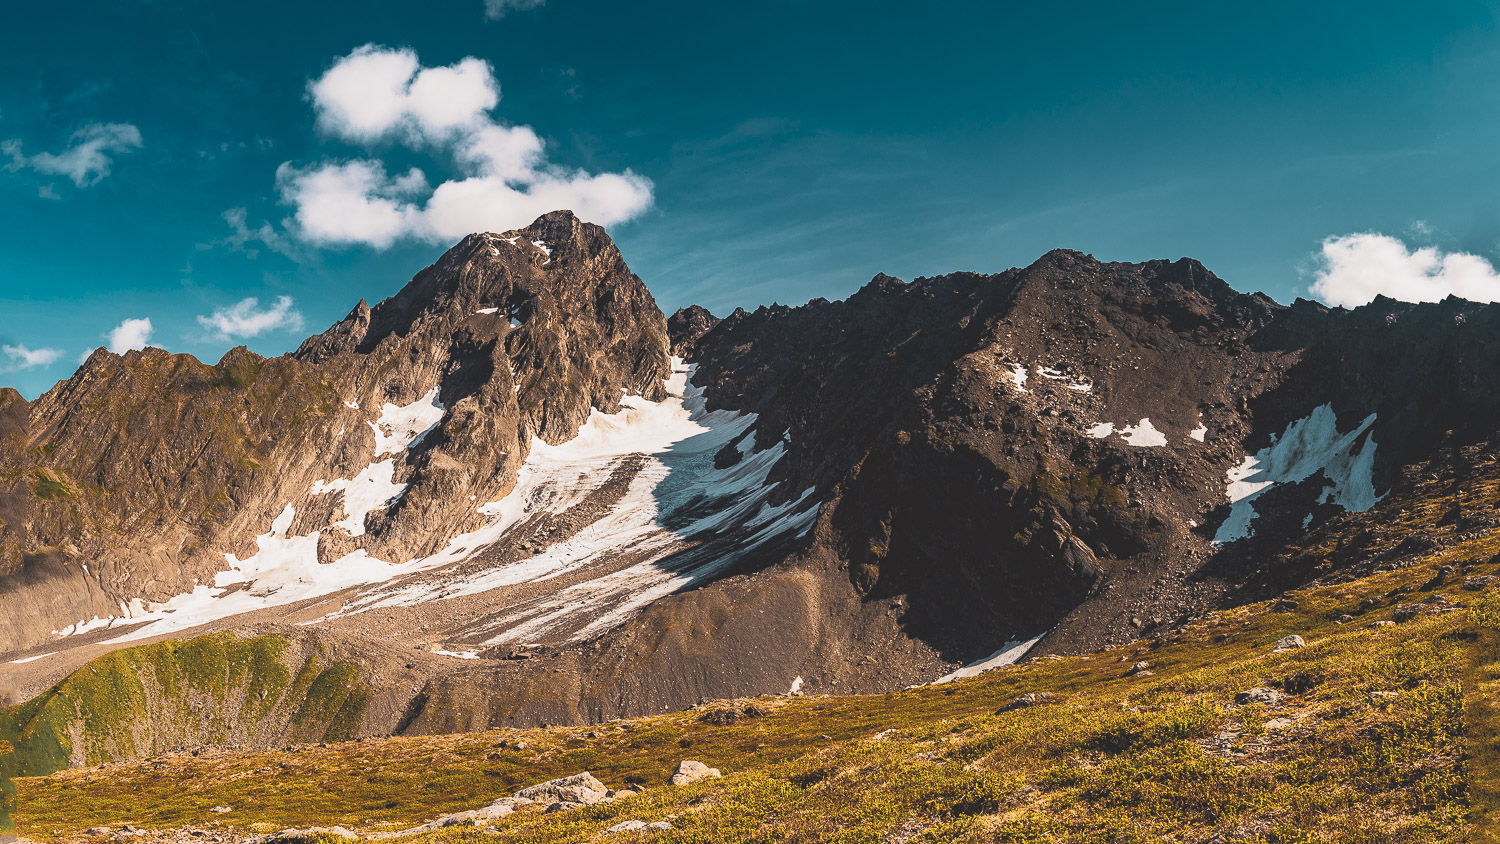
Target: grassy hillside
[
  {"x": 1386, "y": 733},
  {"x": 217, "y": 689}
]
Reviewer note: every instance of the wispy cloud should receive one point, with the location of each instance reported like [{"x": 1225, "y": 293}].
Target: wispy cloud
[
  {"x": 1355, "y": 268},
  {"x": 18, "y": 357},
  {"x": 242, "y": 238},
  {"x": 130, "y": 334},
  {"x": 380, "y": 94},
  {"x": 246, "y": 318},
  {"x": 87, "y": 159},
  {"x": 496, "y": 9}
]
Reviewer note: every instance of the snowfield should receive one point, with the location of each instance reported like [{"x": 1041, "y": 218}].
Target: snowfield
[
  {"x": 1309, "y": 445},
  {"x": 680, "y": 521}
]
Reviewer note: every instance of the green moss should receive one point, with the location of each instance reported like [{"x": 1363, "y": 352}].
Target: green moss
[
  {"x": 48, "y": 485},
  {"x": 205, "y": 689}
]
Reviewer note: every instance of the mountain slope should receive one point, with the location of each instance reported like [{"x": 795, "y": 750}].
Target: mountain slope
[{"x": 515, "y": 493}]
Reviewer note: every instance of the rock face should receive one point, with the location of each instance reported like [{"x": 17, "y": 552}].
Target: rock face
[{"x": 13, "y": 434}]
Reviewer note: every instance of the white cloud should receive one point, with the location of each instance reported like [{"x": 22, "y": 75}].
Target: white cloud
[
  {"x": 86, "y": 161},
  {"x": 348, "y": 203},
  {"x": 496, "y": 9},
  {"x": 1355, "y": 268},
  {"x": 379, "y": 94},
  {"x": 245, "y": 318},
  {"x": 20, "y": 357},
  {"x": 130, "y": 334},
  {"x": 374, "y": 92}
]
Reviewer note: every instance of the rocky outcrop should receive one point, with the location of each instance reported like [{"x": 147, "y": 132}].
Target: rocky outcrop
[{"x": 686, "y": 326}]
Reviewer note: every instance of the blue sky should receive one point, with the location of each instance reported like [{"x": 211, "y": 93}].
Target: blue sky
[{"x": 740, "y": 154}]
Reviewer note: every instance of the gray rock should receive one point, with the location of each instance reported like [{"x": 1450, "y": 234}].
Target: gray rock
[
  {"x": 1026, "y": 700},
  {"x": 1259, "y": 694},
  {"x": 582, "y": 789},
  {"x": 1288, "y": 643},
  {"x": 689, "y": 771}
]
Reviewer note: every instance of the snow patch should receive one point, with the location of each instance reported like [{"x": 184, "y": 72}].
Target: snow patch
[
  {"x": 796, "y": 688},
  {"x": 31, "y": 658},
  {"x": 458, "y": 654},
  {"x": 487, "y": 311},
  {"x": 1309, "y": 445},
  {"x": 399, "y": 428},
  {"x": 1143, "y": 434},
  {"x": 1018, "y": 377},
  {"x": 1101, "y": 430},
  {"x": 1007, "y": 655},
  {"x": 542, "y": 245},
  {"x": 352, "y": 405},
  {"x": 1200, "y": 432},
  {"x": 374, "y": 488}
]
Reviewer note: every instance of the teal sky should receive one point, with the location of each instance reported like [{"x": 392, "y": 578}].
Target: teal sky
[{"x": 752, "y": 153}]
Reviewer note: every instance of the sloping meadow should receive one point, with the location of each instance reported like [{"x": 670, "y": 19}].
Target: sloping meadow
[{"x": 1375, "y": 731}]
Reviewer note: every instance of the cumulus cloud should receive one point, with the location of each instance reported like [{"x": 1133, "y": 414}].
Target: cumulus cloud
[
  {"x": 1355, "y": 268},
  {"x": 19, "y": 357},
  {"x": 496, "y": 9},
  {"x": 130, "y": 334},
  {"x": 377, "y": 94},
  {"x": 246, "y": 318},
  {"x": 374, "y": 92},
  {"x": 87, "y": 159}
]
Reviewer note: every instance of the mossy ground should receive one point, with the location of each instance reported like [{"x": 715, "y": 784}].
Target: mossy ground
[
  {"x": 1375, "y": 741},
  {"x": 203, "y": 690}
]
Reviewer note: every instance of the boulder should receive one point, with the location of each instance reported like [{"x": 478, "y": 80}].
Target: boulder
[
  {"x": 1478, "y": 582},
  {"x": 689, "y": 771},
  {"x": 1026, "y": 700},
  {"x": 582, "y": 789},
  {"x": 1288, "y": 643},
  {"x": 1259, "y": 694}
]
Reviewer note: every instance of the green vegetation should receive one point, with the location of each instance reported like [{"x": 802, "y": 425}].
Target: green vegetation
[
  {"x": 209, "y": 690},
  {"x": 49, "y": 485},
  {"x": 1371, "y": 743}
]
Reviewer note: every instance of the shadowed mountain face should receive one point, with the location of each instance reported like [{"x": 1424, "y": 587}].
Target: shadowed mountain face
[{"x": 516, "y": 493}]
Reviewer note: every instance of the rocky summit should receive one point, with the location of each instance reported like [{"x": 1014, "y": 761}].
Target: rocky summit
[{"x": 517, "y": 497}]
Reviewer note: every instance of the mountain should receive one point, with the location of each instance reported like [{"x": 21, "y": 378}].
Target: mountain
[{"x": 516, "y": 493}]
